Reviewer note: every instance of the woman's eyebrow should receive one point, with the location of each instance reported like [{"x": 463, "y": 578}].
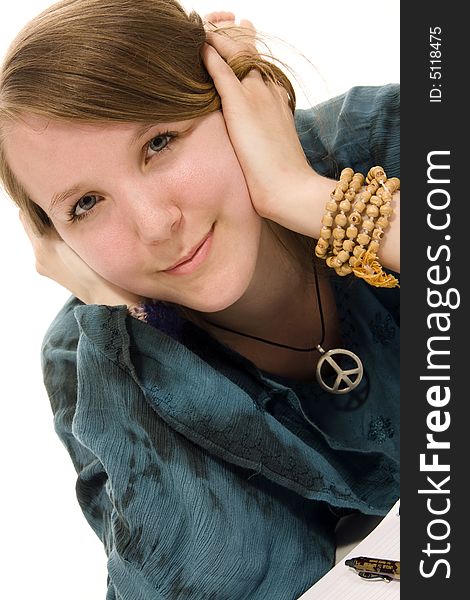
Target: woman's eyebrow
[
  {"x": 140, "y": 132},
  {"x": 62, "y": 196}
]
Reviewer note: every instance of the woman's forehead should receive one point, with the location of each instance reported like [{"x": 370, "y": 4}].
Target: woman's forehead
[{"x": 40, "y": 124}]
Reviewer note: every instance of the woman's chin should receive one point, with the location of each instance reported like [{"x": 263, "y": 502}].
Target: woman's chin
[
  {"x": 217, "y": 298},
  {"x": 214, "y": 305}
]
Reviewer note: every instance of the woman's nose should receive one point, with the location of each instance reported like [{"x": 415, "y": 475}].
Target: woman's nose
[{"x": 153, "y": 217}]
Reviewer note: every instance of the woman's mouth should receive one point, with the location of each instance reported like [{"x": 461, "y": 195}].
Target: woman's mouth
[{"x": 196, "y": 259}]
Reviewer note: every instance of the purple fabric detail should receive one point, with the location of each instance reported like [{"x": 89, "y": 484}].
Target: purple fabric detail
[{"x": 165, "y": 317}]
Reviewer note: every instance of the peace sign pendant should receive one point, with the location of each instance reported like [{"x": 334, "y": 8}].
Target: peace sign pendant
[{"x": 350, "y": 378}]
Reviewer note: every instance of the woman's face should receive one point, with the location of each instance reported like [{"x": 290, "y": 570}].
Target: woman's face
[{"x": 142, "y": 201}]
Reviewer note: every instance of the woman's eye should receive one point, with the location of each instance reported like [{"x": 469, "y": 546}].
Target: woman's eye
[
  {"x": 159, "y": 143},
  {"x": 84, "y": 205}
]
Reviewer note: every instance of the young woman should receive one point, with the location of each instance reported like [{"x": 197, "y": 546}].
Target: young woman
[{"x": 161, "y": 173}]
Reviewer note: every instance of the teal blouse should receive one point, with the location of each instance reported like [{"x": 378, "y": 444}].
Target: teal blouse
[{"x": 204, "y": 477}]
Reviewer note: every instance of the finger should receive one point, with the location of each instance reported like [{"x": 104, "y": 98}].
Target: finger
[
  {"x": 279, "y": 91},
  {"x": 245, "y": 23},
  {"x": 225, "y": 80},
  {"x": 247, "y": 33},
  {"x": 286, "y": 102},
  {"x": 216, "y": 18},
  {"x": 220, "y": 15},
  {"x": 229, "y": 45}
]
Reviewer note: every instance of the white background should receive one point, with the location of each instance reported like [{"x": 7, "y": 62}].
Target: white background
[{"x": 48, "y": 550}]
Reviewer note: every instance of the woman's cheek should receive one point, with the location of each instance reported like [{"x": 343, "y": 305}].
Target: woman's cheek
[{"x": 107, "y": 255}]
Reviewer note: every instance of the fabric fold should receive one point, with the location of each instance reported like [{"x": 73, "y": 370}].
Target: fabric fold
[{"x": 214, "y": 413}]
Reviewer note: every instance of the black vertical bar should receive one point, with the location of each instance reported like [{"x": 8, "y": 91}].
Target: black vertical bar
[{"x": 435, "y": 265}]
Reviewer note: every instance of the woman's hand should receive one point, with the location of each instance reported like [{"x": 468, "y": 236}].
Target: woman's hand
[
  {"x": 56, "y": 260},
  {"x": 261, "y": 127},
  {"x": 282, "y": 185}
]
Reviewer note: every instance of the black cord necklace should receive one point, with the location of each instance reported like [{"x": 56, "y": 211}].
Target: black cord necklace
[{"x": 345, "y": 377}]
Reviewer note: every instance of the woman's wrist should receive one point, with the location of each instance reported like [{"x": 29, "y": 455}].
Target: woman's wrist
[
  {"x": 109, "y": 295},
  {"x": 301, "y": 209}
]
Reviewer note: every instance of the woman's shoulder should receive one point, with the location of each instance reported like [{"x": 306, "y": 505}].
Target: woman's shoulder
[{"x": 359, "y": 128}]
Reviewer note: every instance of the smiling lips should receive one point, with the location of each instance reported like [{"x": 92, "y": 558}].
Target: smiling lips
[{"x": 194, "y": 258}]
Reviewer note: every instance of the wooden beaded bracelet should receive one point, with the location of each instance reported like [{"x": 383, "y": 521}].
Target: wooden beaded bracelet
[{"x": 345, "y": 207}]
